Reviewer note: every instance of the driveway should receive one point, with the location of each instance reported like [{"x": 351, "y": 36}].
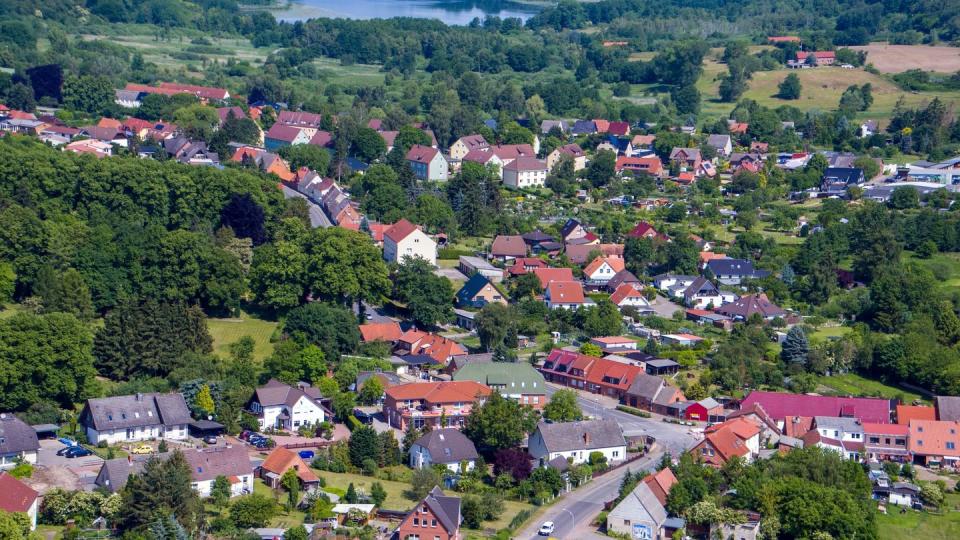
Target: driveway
[
  {"x": 451, "y": 273},
  {"x": 665, "y": 308},
  {"x": 57, "y": 471}
]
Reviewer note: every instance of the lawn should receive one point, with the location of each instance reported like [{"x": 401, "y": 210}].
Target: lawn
[
  {"x": 227, "y": 331},
  {"x": 944, "y": 266},
  {"x": 395, "y": 498},
  {"x": 10, "y": 310},
  {"x": 896, "y": 526},
  {"x": 856, "y": 385},
  {"x": 283, "y": 519},
  {"x": 828, "y": 332}
]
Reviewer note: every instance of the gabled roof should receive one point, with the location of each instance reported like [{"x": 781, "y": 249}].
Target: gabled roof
[
  {"x": 448, "y": 445},
  {"x": 745, "y": 306},
  {"x": 472, "y": 287},
  {"x": 584, "y": 127},
  {"x": 447, "y": 509},
  {"x": 511, "y": 377},
  {"x": 525, "y": 163},
  {"x": 16, "y": 436},
  {"x": 948, "y": 407},
  {"x": 281, "y": 459},
  {"x": 578, "y": 253},
  {"x": 685, "y": 153},
  {"x": 650, "y": 164},
  {"x": 508, "y": 246},
  {"x": 480, "y": 156},
  {"x": 400, "y": 230},
  {"x": 321, "y": 138},
  {"x": 624, "y": 292},
  {"x": 718, "y": 141},
  {"x": 733, "y": 267},
  {"x": 583, "y": 435},
  {"x": 615, "y": 263},
  {"x": 781, "y": 405},
  {"x": 205, "y": 92},
  {"x": 644, "y": 229},
  {"x": 224, "y": 113},
  {"x": 931, "y": 437},
  {"x": 512, "y": 151},
  {"x": 565, "y": 292},
  {"x": 618, "y": 128},
  {"x": 421, "y": 154},
  {"x": 699, "y": 285},
  {"x": 474, "y": 142},
  {"x": 548, "y": 275},
  {"x": 276, "y": 393},
  {"x": 121, "y": 412},
  {"x": 15, "y": 496},
  {"x": 283, "y": 132},
  {"x": 660, "y": 483},
  {"x": 297, "y": 118},
  {"x": 440, "y": 392},
  {"x": 438, "y": 348},
  {"x": 623, "y": 277},
  {"x": 387, "y": 331},
  {"x": 572, "y": 150},
  {"x": 209, "y": 463},
  {"x": 729, "y": 438}
]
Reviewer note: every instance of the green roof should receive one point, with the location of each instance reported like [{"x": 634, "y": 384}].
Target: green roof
[{"x": 515, "y": 377}]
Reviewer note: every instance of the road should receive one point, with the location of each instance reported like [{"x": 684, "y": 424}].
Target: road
[
  {"x": 317, "y": 216},
  {"x": 371, "y": 312}
]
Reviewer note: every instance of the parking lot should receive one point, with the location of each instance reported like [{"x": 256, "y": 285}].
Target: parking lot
[{"x": 53, "y": 470}]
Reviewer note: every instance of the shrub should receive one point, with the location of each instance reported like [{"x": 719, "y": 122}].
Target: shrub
[{"x": 633, "y": 411}]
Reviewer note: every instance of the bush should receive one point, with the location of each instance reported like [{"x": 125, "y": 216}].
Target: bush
[
  {"x": 102, "y": 444},
  {"x": 369, "y": 467},
  {"x": 633, "y": 411},
  {"x": 519, "y": 519},
  {"x": 452, "y": 253}
]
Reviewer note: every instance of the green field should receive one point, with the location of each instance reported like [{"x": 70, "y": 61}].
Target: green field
[
  {"x": 828, "y": 332},
  {"x": 227, "y": 331},
  {"x": 282, "y": 519},
  {"x": 855, "y": 385},
  {"x": 923, "y": 525},
  {"x": 944, "y": 266}
]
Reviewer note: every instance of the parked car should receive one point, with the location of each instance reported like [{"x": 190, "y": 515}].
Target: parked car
[
  {"x": 64, "y": 450},
  {"x": 306, "y": 454},
  {"x": 68, "y": 441},
  {"x": 142, "y": 449},
  {"x": 546, "y": 529},
  {"x": 210, "y": 439},
  {"x": 77, "y": 451}
]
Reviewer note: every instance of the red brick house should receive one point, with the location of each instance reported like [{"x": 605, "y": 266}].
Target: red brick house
[
  {"x": 584, "y": 372},
  {"x": 436, "y": 517},
  {"x": 722, "y": 442},
  {"x": 425, "y": 403}
]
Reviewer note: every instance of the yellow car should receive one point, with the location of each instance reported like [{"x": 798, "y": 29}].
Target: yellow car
[{"x": 142, "y": 449}]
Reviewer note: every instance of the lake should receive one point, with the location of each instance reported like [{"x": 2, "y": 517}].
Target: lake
[{"x": 454, "y": 12}]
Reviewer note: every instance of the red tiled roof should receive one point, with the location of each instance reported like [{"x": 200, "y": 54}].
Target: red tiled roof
[
  {"x": 300, "y": 118},
  {"x": 796, "y": 426},
  {"x": 439, "y": 392},
  {"x": 512, "y": 151},
  {"x": 780, "y": 405},
  {"x": 660, "y": 483},
  {"x": 526, "y": 163},
  {"x": 421, "y": 154},
  {"x": 205, "y": 92},
  {"x": 321, "y": 138},
  {"x": 282, "y": 459},
  {"x": 15, "y": 496},
  {"x": 886, "y": 429},
  {"x": 906, "y": 413},
  {"x": 546, "y": 275},
  {"x": 509, "y": 246},
  {"x": 616, "y": 263},
  {"x": 930, "y": 437},
  {"x": 283, "y": 132},
  {"x": 819, "y": 55},
  {"x": 643, "y": 140},
  {"x": 619, "y": 128},
  {"x": 624, "y": 292},
  {"x": 565, "y": 292},
  {"x": 650, "y": 165},
  {"x": 643, "y": 230},
  {"x": 479, "y": 156},
  {"x": 389, "y": 331},
  {"x": 571, "y": 150},
  {"x": 400, "y": 230}
]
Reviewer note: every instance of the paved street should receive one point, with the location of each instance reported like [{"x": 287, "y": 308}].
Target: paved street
[{"x": 317, "y": 217}]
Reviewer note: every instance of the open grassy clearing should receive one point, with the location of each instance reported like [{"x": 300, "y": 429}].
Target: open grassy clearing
[
  {"x": 856, "y": 385},
  {"x": 227, "y": 331},
  {"x": 395, "y": 497},
  {"x": 913, "y": 524},
  {"x": 897, "y": 58},
  {"x": 282, "y": 519},
  {"x": 944, "y": 266},
  {"x": 827, "y": 332},
  {"x": 10, "y": 310}
]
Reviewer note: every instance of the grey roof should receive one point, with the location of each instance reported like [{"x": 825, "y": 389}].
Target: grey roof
[
  {"x": 115, "y": 472},
  {"x": 643, "y": 495},
  {"x": 948, "y": 408},
  {"x": 731, "y": 267},
  {"x": 559, "y": 463},
  {"x": 698, "y": 285},
  {"x": 718, "y": 141},
  {"x": 674, "y": 523},
  {"x": 646, "y": 386},
  {"x": 584, "y": 435},
  {"x": 447, "y": 509},
  {"x": 906, "y": 486},
  {"x": 709, "y": 403},
  {"x": 16, "y": 436},
  {"x": 209, "y": 463},
  {"x": 661, "y": 363},
  {"x": 841, "y": 423},
  {"x": 621, "y": 277},
  {"x": 391, "y": 378},
  {"x": 448, "y": 445},
  {"x": 277, "y": 393},
  {"x": 136, "y": 410}
]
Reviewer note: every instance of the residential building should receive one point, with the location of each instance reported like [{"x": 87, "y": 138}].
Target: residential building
[
  {"x": 601, "y": 270},
  {"x": 466, "y": 144},
  {"x": 424, "y": 403},
  {"x": 282, "y": 460},
  {"x": 572, "y": 230},
  {"x": 427, "y": 163},
  {"x": 733, "y": 438},
  {"x": 547, "y": 126},
  {"x": 508, "y": 247},
  {"x": 565, "y": 295},
  {"x": 438, "y": 348},
  {"x": 734, "y": 271},
  {"x": 525, "y": 172},
  {"x": 596, "y": 375},
  {"x": 517, "y": 381},
  {"x": 137, "y": 417},
  {"x": 577, "y": 440},
  {"x": 485, "y": 158},
  {"x": 639, "y": 515},
  {"x": 300, "y": 119},
  {"x": 701, "y": 293},
  {"x": 668, "y": 282},
  {"x": 836, "y": 180},
  {"x": 446, "y": 447},
  {"x": 746, "y": 306},
  {"x": 510, "y": 152},
  {"x": 686, "y": 158},
  {"x": 640, "y": 165},
  {"x": 477, "y": 265},
  {"x": 278, "y": 405},
  {"x": 721, "y": 143},
  {"x": 842, "y": 435},
  {"x": 405, "y": 240},
  {"x": 437, "y": 516},
  {"x": 627, "y": 294},
  {"x": 573, "y": 151},
  {"x": 819, "y": 58},
  {"x": 935, "y": 442},
  {"x": 886, "y": 442},
  {"x": 580, "y": 253},
  {"x": 645, "y": 229},
  {"x": 18, "y": 441},
  {"x": 781, "y": 405},
  {"x": 15, "y": 496},
  {"x": 652, "y": 393},
  {"x": 280, "y": 135},
  {"x": 906, "y": 413},
  {"x": 389, "y": 332},
  {"x": 548, "y": 275},
  {"x": 479, "y": 291},
  {"x": 205, "y": 464}
]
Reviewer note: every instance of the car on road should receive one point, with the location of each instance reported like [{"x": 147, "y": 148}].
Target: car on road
[
  {"x": 546, "y": 529},
  {"x": 142, "y": 449},
  {"x": 369, "y": 316},
  {"x": 77, "y": 451}
]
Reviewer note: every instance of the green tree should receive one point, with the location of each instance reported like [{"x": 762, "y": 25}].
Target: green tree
[
  {"x": 291, "y": 482},
  {"x": 364, "y": 445},
  {"x": 590, "y": 349},
  {"x": 351, "y": 495},
  {"x": 204, "y": 400},
  {"x": 88, "y": 94},
  {"x": 378, "y": 494},
  {"x": 344, "y": 266},
  {"x": 368, "y": 145},
  {"x": 563, "y": 407},
  {"x": 493, "y": 324},
  {"x": 687, "y": 99},
  {"x": 197, "y": 121},
  {"x": 220, "y": 491},
  {"x": 330, "y": 327},
  {"x": 371, "y": 391},
  {"x": 498, "y": 423},
  {"x": 601, "y": 168},
  {"x": 789, "y": 87},
  {"x": 252, "y": 511},
  {"x": 296, "y": 533},
  {"x": 428, "y": 297},
  {"x": 602, "y": 320},
  {"x": 66, "y": 292},
  {"x": 161, "y": 490},
  {"x": 422, "y": 481},
  {"x": 904, "y": 197},
  {"x": 795, "y": 346}
]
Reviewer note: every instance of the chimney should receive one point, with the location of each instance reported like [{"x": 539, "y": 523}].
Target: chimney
[{"x": 586, "y": 438}]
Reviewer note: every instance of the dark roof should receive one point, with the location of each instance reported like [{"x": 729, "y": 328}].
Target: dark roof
[
  {"x": 581, "y": 127},
  {"x": 662, "y": 363},
  {"x": 747, "y": 305},
  {"x": 568, "y": 227},
  {"x": 584, "y": 435},
  {"x": 699, "y": 284},
  {"x": 121, "y": 412},
  {"x": 845, "y": 175},
  {"x": 621, "y": 277},
  {"x": 559, "y": 463},
  {"x": 115, "y": 472},
  {"x": 448, "y": 446},
  {"x": 205, "y": 425},
  {"x": 536, "y": 237},
  {"x": 447, "y": 509},
  {"x": 277, "y": 393},
  {"x": 948, "y": 408},
  {"x": 732, "y": 267},
  {"x": 472, "y": 287},
  {"x": 209, "y": 463},
  {"x": 16, "y": 436}
]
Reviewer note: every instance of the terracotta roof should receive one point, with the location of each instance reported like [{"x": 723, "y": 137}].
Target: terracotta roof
[
  {"x": 906, "y": 413},
  {"x": 616, "y": 263},
  {"x": 389, "y": 331},
  {"x": 886, "y": 429},
  {"x": 281, "y": 459},
  {"x": 643, "y": 140},
  {"x": 439, "y": 348},
  {"x": 602, "y": 125},
  {"x": 439, "y": 392},
  {"x": 389, "y": 137},
  {"x": 819, "y": 55},
  {"x": 565, "y": 292},
  {"x": 660, "y": 483},
  {"x": 300, "y": 118},
  {"x": 421, "y": 154},
  {"x": 321, "y": 138},
  {"x": 729, "y": 438},
  {"x": 797, "y": 426},
  {"x": 781, "y": 405},
  {"x": 509, "y": 246},
  {"x": 206, "y": 92},
  {"x": 525, "y": 163},
  {"x": 15, "y": 496},
  {"x": 624, "y": 292},
  {"x": 520, "y": 265},
  {"x": 547, "y": 275},
  {"x": 651, "y": 165},
  {"x": 932, "y": 437},
  {"x": 610, "y": 340},
  {"x": 400, "y": 230},
  {"x": 512, "y": 151}
]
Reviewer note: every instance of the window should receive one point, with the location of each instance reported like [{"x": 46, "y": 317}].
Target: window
[
  {"x": 416, "y": 522},
  {"x": 423, "y": 510},
  {"x": 920, "y": 429},
  {"x": 950, "y": 446},
  {"x": 901, "y": 442},
  {"x": 919, "y": 442},
  {"x": 874, "y": 440},
  {"x": 433, "y": 523},
  {"x": 616, "y": 453}
]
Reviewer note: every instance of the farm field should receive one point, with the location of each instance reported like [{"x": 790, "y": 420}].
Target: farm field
[
  {"x": 227, "y": 331},
  {"x": 898, "y": 58}
]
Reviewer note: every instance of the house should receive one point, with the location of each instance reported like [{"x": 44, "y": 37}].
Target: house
[
  {"x": 525, "y": 265},
  {"x": 626, "y": 295},
  {"x": 746, "y": 306},
  {"x": 580, "y": 253},
  {"x": 733, "y": 438},
  {"x": 609, "y": 343},
  {"x": 596, "y": 375},
  {"x": 668, "y": 282},
  {"x": 405, "y": 240},
  {"x": 904, "y": 494},
  {"x": 300, "y": 119},
  {"x": 702, "y": 293},
  {"x": 386, "y": 378},
  {"x": 15, "y": 496},
  {"x": 584, "y": 127},
  {"x": 868, "y": 128},
  {"x": 280, "y": 406},
  {"x": 479, "y": 291},
  {"x": 639, "y": 515},
  {"x": 639, "y": 165},
  {"x": 564, "y": 295},
  {"x": 734, "y": 271},
  {"x": 137, "y": 417},
  {"x": 781, "y": 405},
  {"x": 427, "y": 163},
  {"x": 841, "y": 435},
  {"x": 886, "y": 442},
  {"x": 601, "y": 270},
  {"x": 485, "y": 158},
  {"x": 517, "y": 381},
  {"x": 438, "y": 348},
  {"x": 769, "y": 431},
  {"x": 282, "y": 460},
  {"x": 721, "y": 143},
  {"x": 619, "y": 128},
  {"x": 475, "y": 265},
  {"x": 948, "y": 407},
  {"x": 280, "y": 135},
  {"x": 645, "y": 229},
  {"x": 18, "y": 441},
  {"x": 705, "y": 410},
  {"x": 425, "y": 403},
  {"x": 573, "y": 151},
  {"x": 437, "y": 516},
  {"x": 466, "y": 144},
  {"x": 508, "y": 247},
  {"x": 525, "y": 172},
  {"x": 682, "y": 340},
  {"x": 510, "y": 152},
  {"x": 906, "y": 413},
  {"x": 836, "y": 180},
  {"x": 549, "y": 275},
  {"x": 323, "y": 139},
  {"x": 577, "y": 440},
  {"x": 816, "y": 58},
  {"x": 572, "y": 230},
  {"x": 652, "y": 393},
  {"x": 686, "y": 158},
  {"x": 934, "y": 442},
  {"x": 446, "y": 447},
  {"x": 624, "y": 277},
  {"x": 547, "y": 126},
  {"x": 229, "y": 461}
]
